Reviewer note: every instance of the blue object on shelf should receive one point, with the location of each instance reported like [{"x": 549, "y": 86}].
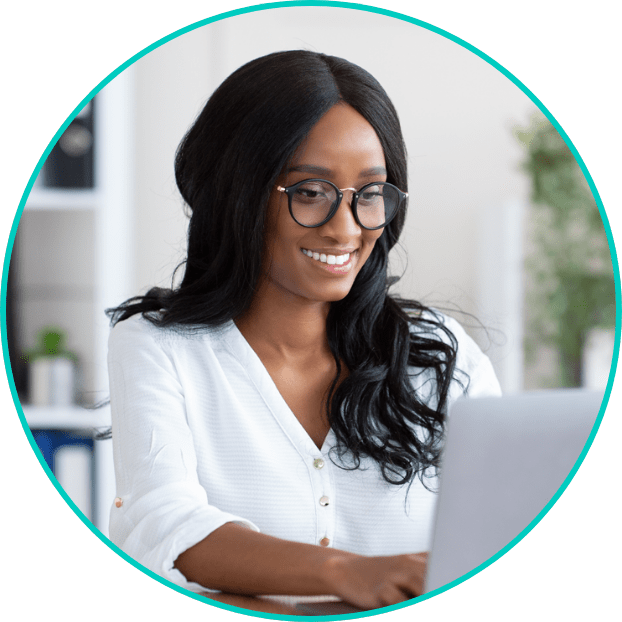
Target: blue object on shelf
[{"x": 50, "y": 441}]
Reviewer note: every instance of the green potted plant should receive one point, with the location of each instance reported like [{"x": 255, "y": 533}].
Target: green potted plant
[
  {"x": 570, "y": 288},
  {"x": 52, "y": 370}
]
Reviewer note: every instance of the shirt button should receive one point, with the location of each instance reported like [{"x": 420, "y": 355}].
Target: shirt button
[
  {"x": 318, "y": 463},
  {"x": 324, "y": 500},
  {"x": 324, "y": 542},
  {"x": 118, "y": 502}
]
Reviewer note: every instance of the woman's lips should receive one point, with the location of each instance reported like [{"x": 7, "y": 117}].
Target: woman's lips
[
  {"x": 331, "y": 259},
  {"x": 336, "y": 264}
]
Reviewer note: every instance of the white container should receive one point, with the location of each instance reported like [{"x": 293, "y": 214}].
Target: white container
[
  {"x": 72, "y": 466},
  {"x": 52, "y": 381}
]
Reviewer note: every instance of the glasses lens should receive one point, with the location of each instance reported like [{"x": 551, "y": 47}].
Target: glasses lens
[
  {"x": 312, "y": 201},
  {"x": 377, "y": 204}
]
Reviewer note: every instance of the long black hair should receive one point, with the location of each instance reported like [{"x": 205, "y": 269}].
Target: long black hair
[{"x": 225, "y": 167}]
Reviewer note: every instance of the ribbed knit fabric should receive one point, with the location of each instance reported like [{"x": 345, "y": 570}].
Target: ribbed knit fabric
[{"x": 202, "y": 437}]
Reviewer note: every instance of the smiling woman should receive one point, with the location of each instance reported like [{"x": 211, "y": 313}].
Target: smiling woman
[
  {"x": 278, "y": 417},
  {"x": 345, "y": 149},
  {"x": 301, "y": 274}
]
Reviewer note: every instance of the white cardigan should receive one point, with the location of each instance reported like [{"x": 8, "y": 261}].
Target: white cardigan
[{"x": 202, "y": 436}]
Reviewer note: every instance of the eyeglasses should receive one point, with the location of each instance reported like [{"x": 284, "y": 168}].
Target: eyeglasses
[{"x": 313, "y": 202}]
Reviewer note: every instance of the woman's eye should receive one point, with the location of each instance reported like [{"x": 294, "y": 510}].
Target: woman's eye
[
  {"x": 307, "y": 192},
  {"x": 371, "y": 196},
  {"x": 310, "y": 193}
]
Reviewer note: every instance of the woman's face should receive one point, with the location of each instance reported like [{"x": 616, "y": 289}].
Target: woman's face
[{"x": 342, "y": 148}]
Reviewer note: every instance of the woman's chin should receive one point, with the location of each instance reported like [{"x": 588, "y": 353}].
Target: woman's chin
[{"x": 334, "y": 293}]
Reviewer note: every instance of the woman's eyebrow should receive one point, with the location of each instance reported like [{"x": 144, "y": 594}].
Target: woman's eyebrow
[
  {"x": 308, "y": 168},
  {"x": 326, "y": 172},
  {"x": 373, "y": 172}
]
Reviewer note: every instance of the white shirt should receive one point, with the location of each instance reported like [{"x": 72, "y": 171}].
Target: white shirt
[{"x": 202, "y": 437}]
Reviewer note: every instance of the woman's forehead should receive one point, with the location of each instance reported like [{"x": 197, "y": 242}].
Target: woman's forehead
[{"x": 341, "y": 137}]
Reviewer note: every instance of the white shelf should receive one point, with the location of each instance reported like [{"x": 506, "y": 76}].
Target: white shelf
[
  {"x": 60, "y": 199},
  {"x": 66, "y": 418},
  {"x": 111, "y": 238}
]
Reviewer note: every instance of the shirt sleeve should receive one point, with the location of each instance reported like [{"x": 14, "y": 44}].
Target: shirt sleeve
[{"x": 163, "y": 510}]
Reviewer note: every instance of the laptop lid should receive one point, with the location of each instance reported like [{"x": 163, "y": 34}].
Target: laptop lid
[{"x": 504, "y": 458}]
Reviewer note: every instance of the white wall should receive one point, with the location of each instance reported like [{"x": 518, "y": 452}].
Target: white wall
[
  {"x": 56, "y": 267},
  {"x": 457, "y": 113},
  {"x": 172, "y": 84}
]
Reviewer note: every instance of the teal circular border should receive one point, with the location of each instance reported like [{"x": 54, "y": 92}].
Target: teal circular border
[{"x": 416, "y": 22}]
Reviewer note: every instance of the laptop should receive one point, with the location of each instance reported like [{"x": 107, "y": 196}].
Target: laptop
[{"x": 504, "y": 459}]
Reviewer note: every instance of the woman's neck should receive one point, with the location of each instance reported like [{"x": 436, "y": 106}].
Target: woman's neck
[{"x": 281, "y": 324}]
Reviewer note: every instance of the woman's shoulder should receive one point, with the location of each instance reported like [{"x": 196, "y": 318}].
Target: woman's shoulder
[
  {"x": 443, "y": 326},
  {"x": 471, "y": 361},
  {"x": 145, "y": 331},
  {"x": 437, "y": 325}
]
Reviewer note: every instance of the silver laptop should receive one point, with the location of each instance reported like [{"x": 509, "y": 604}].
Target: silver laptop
[{"x": 504, "y": 459}]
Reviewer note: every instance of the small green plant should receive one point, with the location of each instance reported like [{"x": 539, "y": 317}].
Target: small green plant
[
  {"x": 50, "y": 343},
  {"x": 570, "y": 286}
]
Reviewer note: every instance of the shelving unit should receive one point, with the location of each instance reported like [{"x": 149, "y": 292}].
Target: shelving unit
[
  {"x": 51, "y": 199},
  {"x": 110, "y": 205},
  {"x": 70, "y": 418}
]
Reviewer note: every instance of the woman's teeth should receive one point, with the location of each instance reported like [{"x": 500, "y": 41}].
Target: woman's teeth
[{"x": 329, "y": 259}]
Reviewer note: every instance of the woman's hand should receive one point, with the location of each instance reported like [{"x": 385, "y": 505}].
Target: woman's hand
[
  {"x": 237, "y": 560},
  {"x": 372, "y": 582}
]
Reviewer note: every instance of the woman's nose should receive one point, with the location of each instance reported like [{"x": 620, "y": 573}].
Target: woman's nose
[{"x": 342, "y": 225}]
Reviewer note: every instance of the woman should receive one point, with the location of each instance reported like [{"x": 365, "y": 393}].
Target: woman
[{"x": 278, "y": 417}]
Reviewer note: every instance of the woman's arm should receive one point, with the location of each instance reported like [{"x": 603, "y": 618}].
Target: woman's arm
[
  {"x": 161, "y": 508},
  {"x": 240, "y": 561},
  {"x": 163, "y": 518}
]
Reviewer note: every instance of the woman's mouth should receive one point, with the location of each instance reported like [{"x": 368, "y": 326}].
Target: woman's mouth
[
  {"x": 331, "y": 260},
  {"x": 337, "y": 264}
]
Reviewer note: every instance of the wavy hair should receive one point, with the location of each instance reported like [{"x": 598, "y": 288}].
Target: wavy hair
[{"x": 226, "y": 167}]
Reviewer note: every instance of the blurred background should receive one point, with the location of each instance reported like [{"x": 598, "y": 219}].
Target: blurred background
[{"x": 503, "y": 232}]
